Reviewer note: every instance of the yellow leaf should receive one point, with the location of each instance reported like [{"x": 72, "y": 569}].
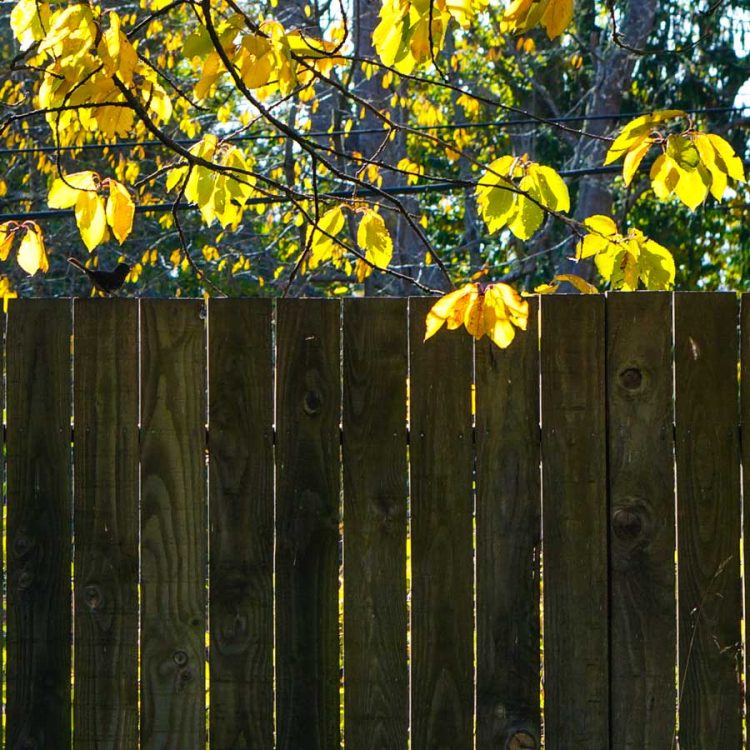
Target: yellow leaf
[
  {"x": 527, "y": 216},
  {"x": 546, "y": 288},
  {"x": 580, "y": 284},
  {"x": 600, "y": 224},
  {"x": 557, "y": 17},
  {"x": 713, "y": 163},
  {"x": 322, "y": 243},
  {"x": 65, "y": 192},
  {"x": 7, "y": 235},
  {"x": 684, "y": 152},
  {"x": 175, "y": 176},
  {"x": 656, "y": 266},
  {"x": 692, "y": 187},
  {"x": 6, "y": 292},
  {"x": 664, "y": 176},
  {"x": 32, "y": 256},
  {"x": 120, "y": 211},
  {"x": 633, "y": 159},
  {"x": 638, "y": 130},
  {"x": 375, "y": 239},
  {"x": 29, "y": 20},
  {"x": 91, "y": 219},
  {"x": 549, "y": 188},
  {"x": 444, "y": 309},
  {"x": 725, "y": 152}
]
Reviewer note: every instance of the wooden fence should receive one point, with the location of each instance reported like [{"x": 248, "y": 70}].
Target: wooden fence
[{"x": 222, "y": 458}]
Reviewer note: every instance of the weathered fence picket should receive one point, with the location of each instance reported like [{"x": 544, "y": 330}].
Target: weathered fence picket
[
  {"x": 296, "y": 524},
  {"x": 640, "y": 415}
]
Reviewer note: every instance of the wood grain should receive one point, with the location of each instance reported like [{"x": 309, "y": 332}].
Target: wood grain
[
  {"x": 441, "y": 453},
  {"x": 241, "y": 511},
  {"x": 308, "y": 413},
  {"x": 173, "y": 525},
  {"x": 575, "y": 519},
  {"x": 745, "y": 442},
  {"x": 106, "y": 407},
  {"x": 39, "y": 524},
  {"x": 708, "y": 520},
  {"x": 642, "y": 512},
  {"x": 375, "y": 492},
  {"x": 508, "y": 530}
]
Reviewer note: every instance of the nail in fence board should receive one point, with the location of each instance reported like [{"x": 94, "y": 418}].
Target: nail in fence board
[
  {"x": 241, "y": 517},
  {"x": 708, "y": 520},
  {"x": 173, "y": 525},
  {"x": 508, "y": 529},
  {"x": 441, "y": 454},
  {"x": 642, "y": 508},
  {"x": 39, "y": 524},
  {"x": 105, "y": 400},
  {"x": 575, "y": 517},
  {"x": 308, "y": 409},
  {"x": 375, "y": 494}
]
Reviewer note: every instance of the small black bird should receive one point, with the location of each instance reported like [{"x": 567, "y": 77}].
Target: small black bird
[{"x": 105, "y": 281}]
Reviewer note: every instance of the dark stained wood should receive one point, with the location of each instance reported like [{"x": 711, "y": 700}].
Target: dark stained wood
[
  {"x": 173, "y": 524},
  {"x": 642, "y": 513},
  {"x": 106, "y": 407},
  {"x": 308, "y": 407},
  {"x": 441, "y": 454},
  {"x": 575, "y": 518},
  {"x": 241, "y": 515},
  {"x": 375, "y": 491},
  {"x": 745, "y": 442},
  {"x": 39, "y": 524},
  {"x": 708, "y": 520},
  {"x": 508, "y": 531}
]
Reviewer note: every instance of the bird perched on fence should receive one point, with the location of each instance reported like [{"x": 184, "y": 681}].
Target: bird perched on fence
[{"x": 105, "y": 281}]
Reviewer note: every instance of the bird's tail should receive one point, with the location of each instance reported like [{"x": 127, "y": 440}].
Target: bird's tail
[{"x": 77, "y": 263}]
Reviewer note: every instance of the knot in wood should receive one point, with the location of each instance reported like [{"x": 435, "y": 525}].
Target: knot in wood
[
  {"x": 180, "y": 658},
  {"x": 92, "y": 595},
  {"x": 631, "y": 379},
  {"x": 312, "y": 403},
  {"x": 627, "y": 523},
  {"x": 521, "y": 741},
  {"x": 22, "y": 545},
  {"x": 25, "y": 579}
]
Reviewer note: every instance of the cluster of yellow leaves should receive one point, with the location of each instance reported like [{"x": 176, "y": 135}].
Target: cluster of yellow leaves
[
  {"x": 624, "y": 260},
  {"x": 373, "y": 238},
  {"x": 219, "y": 193},
  {"x": 83, "y": 64},
  {"x": 515, "y": 191},
  {"x": 94, "y": 214},
  {"x": 403, "y": 37},
  {"x": 553, "y": 15},
  {"x": 31, "y": 255},
  {"x": 691, "y": 163},
  {"x": 270, "y": 59},
  {"x": 495, "y": 310}
]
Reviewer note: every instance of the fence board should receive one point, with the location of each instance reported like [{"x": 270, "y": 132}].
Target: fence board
[
  {"x": 308, "y": 408},
  {"x": 574, "y": 523},
  {"x": 375, "y": 492},
  {"x": 105, "y": 400},
  {"x": 441, "y": 536},
  {"x": 642, "y": 507},
  {"x": 173, "y": 524},
  {"x": 39, "y": 524},
  {"x": 745, "y": 442},
  {"x": 241, "y": 519},
  {"x": 508, "y": 529},
  {"x": 708, "y": 520}
]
